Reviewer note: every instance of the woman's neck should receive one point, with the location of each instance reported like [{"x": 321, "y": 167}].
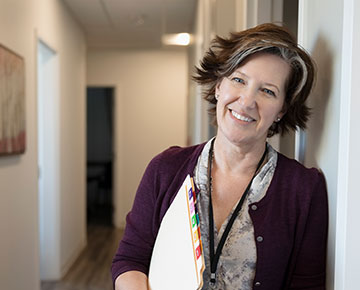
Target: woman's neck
[{"x": 235, "y": 159}]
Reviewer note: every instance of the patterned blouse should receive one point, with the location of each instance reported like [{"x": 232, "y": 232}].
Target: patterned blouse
[{"x": 237, "y": 263}]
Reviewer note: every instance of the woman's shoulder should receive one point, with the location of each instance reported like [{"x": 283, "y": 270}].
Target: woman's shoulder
[
  {"x": 289, "y": 163},
  {"x": 294, "y": 172}
]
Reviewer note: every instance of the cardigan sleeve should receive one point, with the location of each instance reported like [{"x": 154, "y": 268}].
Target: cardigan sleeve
[
  {"x": 310, "y": 267},
  {"x": 135, "y": 248}
]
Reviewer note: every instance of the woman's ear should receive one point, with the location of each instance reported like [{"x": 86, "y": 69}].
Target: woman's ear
[
  {"x": 283, "y": 111},
  {"x": 217, "y": 88},
  {"x": 281, "y": 114}
]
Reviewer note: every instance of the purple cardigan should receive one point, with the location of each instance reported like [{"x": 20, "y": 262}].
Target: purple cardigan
[{"x": 292, "y": 219}]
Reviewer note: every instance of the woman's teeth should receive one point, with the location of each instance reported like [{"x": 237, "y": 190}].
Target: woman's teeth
[{"x": 239, "y": 117}]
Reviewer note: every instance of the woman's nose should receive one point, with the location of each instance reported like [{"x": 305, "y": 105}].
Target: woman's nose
[{"x": 247, "y": 98}]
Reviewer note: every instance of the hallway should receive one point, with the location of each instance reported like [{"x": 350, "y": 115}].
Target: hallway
[{"x": 91, "y": 271}]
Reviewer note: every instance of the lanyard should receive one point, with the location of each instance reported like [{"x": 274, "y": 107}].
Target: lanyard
[{"x": 215, "y": 255}]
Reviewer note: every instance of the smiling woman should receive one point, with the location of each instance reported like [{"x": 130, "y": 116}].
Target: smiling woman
[
  {"x": 263, "y": 217},
  {"x": 251, "y": 99}
]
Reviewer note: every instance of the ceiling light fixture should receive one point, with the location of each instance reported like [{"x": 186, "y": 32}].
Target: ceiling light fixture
[{"x": 176, "y": 39}]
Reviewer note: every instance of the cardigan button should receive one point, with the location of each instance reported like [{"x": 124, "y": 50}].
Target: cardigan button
[
  {"x": 257, "y": 284},
  {"x": 254, "y": 207},
  {"x": 259, "y": 239}
]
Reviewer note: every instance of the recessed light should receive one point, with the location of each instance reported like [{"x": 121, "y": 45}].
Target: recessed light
[{"x": 176, "y": 39}]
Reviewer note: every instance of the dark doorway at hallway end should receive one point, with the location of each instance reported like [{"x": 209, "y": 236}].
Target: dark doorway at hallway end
[{"x": 100, "y": 155}]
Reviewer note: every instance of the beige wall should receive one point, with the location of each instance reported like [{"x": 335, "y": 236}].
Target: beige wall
[
  {"x": 59, "y": 30},
  {"x": 150, "y": 101},
  {"x": 18, "y": 174},
  {"x": 20, "y": 21},
  {"x": 212, "y": 18}
]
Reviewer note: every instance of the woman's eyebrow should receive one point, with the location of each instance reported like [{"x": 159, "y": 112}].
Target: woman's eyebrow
[
  {"x": 239, "y": 73},
  {"x": 272, "y": 85}
]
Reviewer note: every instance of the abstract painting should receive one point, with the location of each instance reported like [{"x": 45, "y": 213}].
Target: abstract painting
[{"x": 12, "y": 103}]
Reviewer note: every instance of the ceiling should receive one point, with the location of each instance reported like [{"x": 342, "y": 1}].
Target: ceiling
[{"x": 131, "y": 23}]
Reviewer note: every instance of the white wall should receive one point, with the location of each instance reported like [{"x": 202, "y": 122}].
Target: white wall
[
  {"x": 347, "y": 255},
  {"x": 320, "y": 32},
  {"x": 150, "y": 103},
  {"x": 19, "y": 261}
]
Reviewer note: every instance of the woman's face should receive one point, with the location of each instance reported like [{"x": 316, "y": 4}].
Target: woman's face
[{"x": 251, "y": 99}]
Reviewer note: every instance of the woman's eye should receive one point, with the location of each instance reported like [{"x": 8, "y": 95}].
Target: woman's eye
[
  {"x": 238, "y": 80},
  {"x": 269, "y": 92}
]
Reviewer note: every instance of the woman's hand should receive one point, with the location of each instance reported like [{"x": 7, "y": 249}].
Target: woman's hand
[{"x": 132, "y": 280}]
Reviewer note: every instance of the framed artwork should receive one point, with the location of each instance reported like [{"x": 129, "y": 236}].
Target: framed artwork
[{"x": 12, "y": 103}]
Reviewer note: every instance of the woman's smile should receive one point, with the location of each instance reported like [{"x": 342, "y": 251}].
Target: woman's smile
[{"x": 241, "y": 117}]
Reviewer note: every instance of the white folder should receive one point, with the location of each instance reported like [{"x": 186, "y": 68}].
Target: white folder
[{"x": 176, "y": 262}]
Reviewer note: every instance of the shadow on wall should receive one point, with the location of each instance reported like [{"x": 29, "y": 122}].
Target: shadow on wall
[
  {"x": 10, "y": 160},
  {"x": 319, "y": 98}
]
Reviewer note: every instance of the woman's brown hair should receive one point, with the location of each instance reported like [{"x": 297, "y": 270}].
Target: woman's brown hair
[{"x": 225, "y": 55}]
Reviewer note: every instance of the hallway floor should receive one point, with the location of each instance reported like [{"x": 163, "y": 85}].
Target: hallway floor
[{"x": 91, "y": 271}]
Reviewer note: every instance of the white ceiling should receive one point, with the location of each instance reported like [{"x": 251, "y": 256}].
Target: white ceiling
[{"x": 132, "y": 23}]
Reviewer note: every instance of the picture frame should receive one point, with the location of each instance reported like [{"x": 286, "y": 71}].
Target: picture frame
[{"x": 12, "y": 103}]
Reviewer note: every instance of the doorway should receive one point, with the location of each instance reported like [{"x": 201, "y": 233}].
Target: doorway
[
  {"x": 99, "y": 165},
  {"x": 48, "y": 161}
]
